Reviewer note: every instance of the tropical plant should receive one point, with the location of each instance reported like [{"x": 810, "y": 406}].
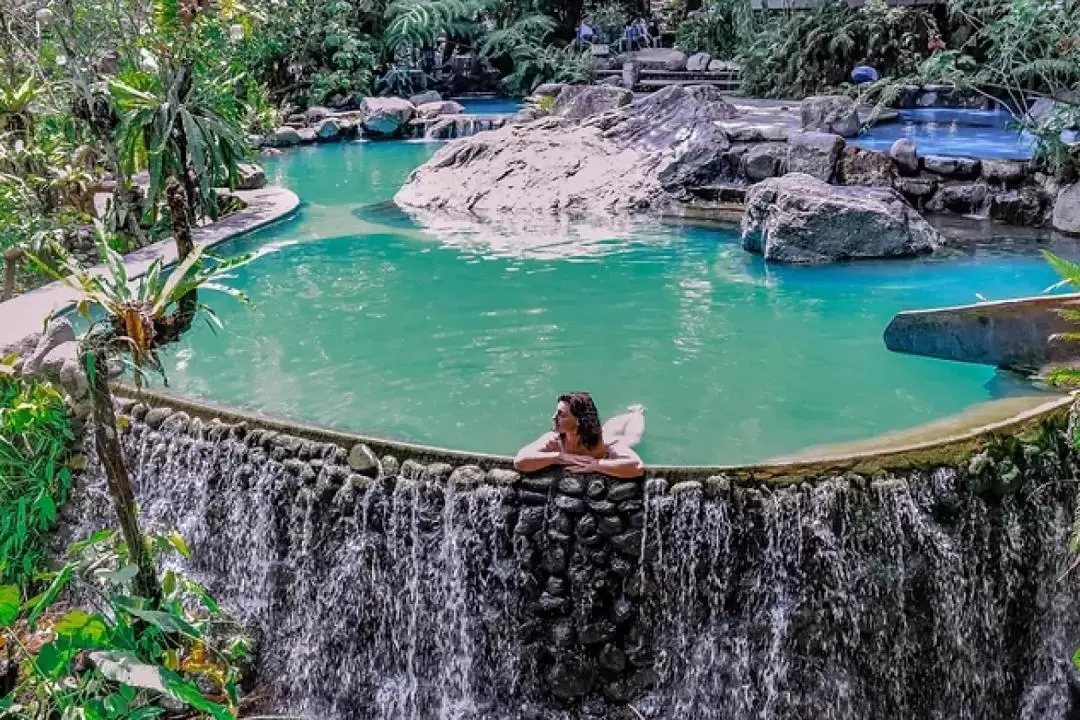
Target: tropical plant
[
  {"x": 35, "y": 438},
  {"x": 421, "y": 23},
  {"x": 122, "y": 656},
  {"x": 715, "y": 29},
  {"x": 524, "y": 43},
  {"x": 1069, "y": 272},
  {"x": 138, "y": 321},
  {"x": 180, "y": 128}
]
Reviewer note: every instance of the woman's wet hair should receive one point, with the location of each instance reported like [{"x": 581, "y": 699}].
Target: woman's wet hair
[{"x": 582, "y": 407}]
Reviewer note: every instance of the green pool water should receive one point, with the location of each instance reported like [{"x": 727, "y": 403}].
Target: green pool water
[{"x": 461, "y": 335}]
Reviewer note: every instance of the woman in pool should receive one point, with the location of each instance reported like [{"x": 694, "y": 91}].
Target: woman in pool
[{"x": 584, "y": 446}]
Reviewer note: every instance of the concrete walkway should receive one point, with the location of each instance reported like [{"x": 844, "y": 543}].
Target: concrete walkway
[{"x": 25, "y": 315}]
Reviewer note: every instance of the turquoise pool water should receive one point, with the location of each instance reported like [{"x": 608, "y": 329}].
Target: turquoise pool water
[
  {"x": 953, "y": 132},
  {"x": 461, "y": 335}
]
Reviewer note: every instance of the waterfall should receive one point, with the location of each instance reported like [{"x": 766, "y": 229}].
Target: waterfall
[{"x": 436, "y": 591}]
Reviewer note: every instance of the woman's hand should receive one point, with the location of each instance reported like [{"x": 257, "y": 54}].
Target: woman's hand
[{"x": 583, "y": 464}]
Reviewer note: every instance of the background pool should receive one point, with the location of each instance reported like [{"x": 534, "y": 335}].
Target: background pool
[
  {"x": 953, "y": 132},
  {"x": 462, "y": 335}
]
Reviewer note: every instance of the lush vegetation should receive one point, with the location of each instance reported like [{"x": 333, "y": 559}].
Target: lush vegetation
[
  {"x": 118, "y": 655},
  {"x": 35, "y": 437}
]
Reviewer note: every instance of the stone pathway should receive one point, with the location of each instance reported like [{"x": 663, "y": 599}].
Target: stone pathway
[{"x": 25, "y": 315}]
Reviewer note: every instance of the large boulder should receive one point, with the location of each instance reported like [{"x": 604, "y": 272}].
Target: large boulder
[
  {"x": 699, "y": 62},
  {"x": 764, "y": 161},
  {"x": 834, "y": 114},
  {"x": 252, "y": 177},
  {"x": 284, "y": 136},
  {"x": 386, "y": 116},
  {"x": 577, "y": 102},
  {"x": 548, "y": 90},
  {"x": 439, "y": 107},
  {"x": 1066, "y": 217},
  {"x": 814, "y": 153},
  {"x": 316, "y": 113},
  {"x": 638, "y": 157},
  {"x": 327, "y": 130},
  {"x": 800, "y": 219}
]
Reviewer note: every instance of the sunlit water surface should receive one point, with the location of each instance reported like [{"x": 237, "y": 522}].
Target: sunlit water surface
[{"x": 461, "y": 335}]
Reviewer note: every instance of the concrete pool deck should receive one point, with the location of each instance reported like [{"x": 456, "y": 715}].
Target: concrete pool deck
[{"x": 25, "y": 315}]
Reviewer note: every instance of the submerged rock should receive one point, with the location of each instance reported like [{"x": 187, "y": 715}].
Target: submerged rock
[
  {"x": 800, "y": 219},
  {"x": 634, "y": 158}
]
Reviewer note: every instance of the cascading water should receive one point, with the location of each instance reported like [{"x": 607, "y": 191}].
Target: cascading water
[{"x": 453, "y": 593}]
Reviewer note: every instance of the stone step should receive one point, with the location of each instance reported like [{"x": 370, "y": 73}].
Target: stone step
[
  {"x": 730, "y": 75},
  {"x": 728, "y": 85}
]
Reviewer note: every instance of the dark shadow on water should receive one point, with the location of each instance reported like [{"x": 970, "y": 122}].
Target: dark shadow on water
[{"x": 388, "y": 214}]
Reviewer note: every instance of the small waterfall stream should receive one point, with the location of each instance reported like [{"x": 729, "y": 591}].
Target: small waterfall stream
[{"x": 454, "y": 593}]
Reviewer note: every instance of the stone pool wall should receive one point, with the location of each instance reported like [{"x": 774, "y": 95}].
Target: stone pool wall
[
  {"x": 401, "y": 583},
  {"x": 1007, "y": 191}
]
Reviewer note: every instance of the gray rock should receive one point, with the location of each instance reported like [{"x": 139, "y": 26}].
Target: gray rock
[
  {"x": 698, "y": 62},
  {"x": 686, "y": 486},
  {"x": 428, "y": 96},
  {"x": 1005, "y": 172},
  {"x": 386, "y": 117},
  {"x": 390, "y": 465},
  {"x": 814, "y": 153},
  {"x": 437, "y": 472},
  {"x": 284, "y": 136},
  {"x": 315, "y": 114},
  {"x": 724, "y": 65},
  {"x": 538, "y": 483},
  {"x": 156, "y": 416},
  {"x": 1026, "y": 207},
  {"x": 597, "y": 488},
  {"x": 441, "y": 107},
  {"x": 587, "y": 525},
  {"x": 867, "y": 168},
  {"x": 502, "y": 476},
  {"x": 624, "y": 491},
  {"x": 530, "y": 520},
  {"x": 59, "y": 332},
  {"x": 328, "y": 129},
  {"x": 613, "y": 81},
  {"x": 656, "y": 59},
  {"x": 612, "y": 658},
  {"x": 917, "y": 189},
  {"x": 835, "y": 114},
  {"x": 610, "y": 525},
  {"x": 363, "y": 461},
  {"x": 905, "y": 155},
  {"x": 527, "y": 115},
  {"x": 1066, "y": 216},
  {"x": 628, "y": 543},
  {"x": 960, "y": 198},
  {"x": 252, "y": 177},
  {"x": 763, "y": 161},
  {"x": 604, "y": 507},
  {"x": 577, "y": 102},
  {"x": 800, "y": 219},
  {"x": 571, "y": 485},
  {"x": 307, "y": 135},
  {"x": 636, "y": 158},
  {"x": 548, "y": 90},
  {"x": 570, "y": 678},
  {"x": 957, "y": 167},
  {"x": 570, "y": 504},
  {"x": 656, "y": 486},
  {"x": 466, "y": 476}
]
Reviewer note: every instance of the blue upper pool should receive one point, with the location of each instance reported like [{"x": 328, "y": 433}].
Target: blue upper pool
[{"x": 953, "y": 132}]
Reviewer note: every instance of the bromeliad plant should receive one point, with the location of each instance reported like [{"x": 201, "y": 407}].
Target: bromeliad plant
[
  {"x": 119, "y": 655},
  {"x": 138, "y": 322}
]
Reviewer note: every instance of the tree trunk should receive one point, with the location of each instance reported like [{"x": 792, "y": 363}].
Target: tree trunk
[
  {"x": 107, "y": 442},
  {"x": 176, "y": 199}
]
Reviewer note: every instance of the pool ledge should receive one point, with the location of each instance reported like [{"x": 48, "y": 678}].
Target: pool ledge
[
  {"x": 954, "y": 449},
  {"x": 25, "y": 315}
]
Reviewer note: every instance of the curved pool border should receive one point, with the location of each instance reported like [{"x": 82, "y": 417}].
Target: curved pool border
[
  {"x": 951, "y": 449},
  {"x": 24, "y": 316}
]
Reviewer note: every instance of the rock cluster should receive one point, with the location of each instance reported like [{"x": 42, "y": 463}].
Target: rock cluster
[{"x": 801, "y": 219}]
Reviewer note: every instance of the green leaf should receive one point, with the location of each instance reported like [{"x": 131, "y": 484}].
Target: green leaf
[
  {"x": 82, "y": 629},
  {"x": 58, "y": 584},
  {"x": 9, "y": 604},
  {"x": 166, "y": 622},
  {"x": 187, "y": 692},
  {"x": 178, "y": 542},
  {"x": 122, "y": 576},
  {"x": 99, "y": 536}
]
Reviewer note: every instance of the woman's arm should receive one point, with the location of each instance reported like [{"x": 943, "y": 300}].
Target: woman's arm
[
  {"x": 621, "y": 462},
  {"x": 538, "y": 455}
]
